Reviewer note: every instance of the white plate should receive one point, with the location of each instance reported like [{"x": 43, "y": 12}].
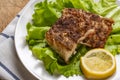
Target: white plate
[{"x": 33, "y": 65}]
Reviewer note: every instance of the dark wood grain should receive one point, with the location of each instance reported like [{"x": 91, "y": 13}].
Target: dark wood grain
[{"x": 8, "y": 10}]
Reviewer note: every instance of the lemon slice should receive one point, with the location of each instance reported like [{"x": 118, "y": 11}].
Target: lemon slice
[{"x": 98, "y": 64}]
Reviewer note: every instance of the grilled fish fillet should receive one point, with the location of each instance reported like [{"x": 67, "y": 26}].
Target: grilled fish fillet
[{"x": 75, "y": 27}]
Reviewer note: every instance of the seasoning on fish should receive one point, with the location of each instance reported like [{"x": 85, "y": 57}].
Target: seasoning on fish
[{"x": 76, "y": 26}]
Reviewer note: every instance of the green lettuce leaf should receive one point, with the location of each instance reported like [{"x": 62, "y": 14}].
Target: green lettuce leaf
[
  {"x": 113, "y": 39},
  {"x": 51, "y": 63},
  {"x": 103, "y": 7},
  {"x": 36, "y": 32},
  {"x": 45, "y": 14},
  {"x": 114, "y": 49}
]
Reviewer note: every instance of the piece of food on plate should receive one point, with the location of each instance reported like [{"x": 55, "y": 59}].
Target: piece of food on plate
[
  {"x": 76, "y": 26},
  {"x": 98, "y": 64}
]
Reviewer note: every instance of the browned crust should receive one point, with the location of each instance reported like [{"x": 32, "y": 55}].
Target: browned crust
[{"x": 75, "y": 27}]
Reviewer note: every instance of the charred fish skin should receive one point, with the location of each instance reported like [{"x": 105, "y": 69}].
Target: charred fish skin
[{"x": 76, "y": 26}]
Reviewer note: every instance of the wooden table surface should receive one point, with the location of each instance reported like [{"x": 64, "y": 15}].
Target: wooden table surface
[{"x": 8, "y": 10}]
